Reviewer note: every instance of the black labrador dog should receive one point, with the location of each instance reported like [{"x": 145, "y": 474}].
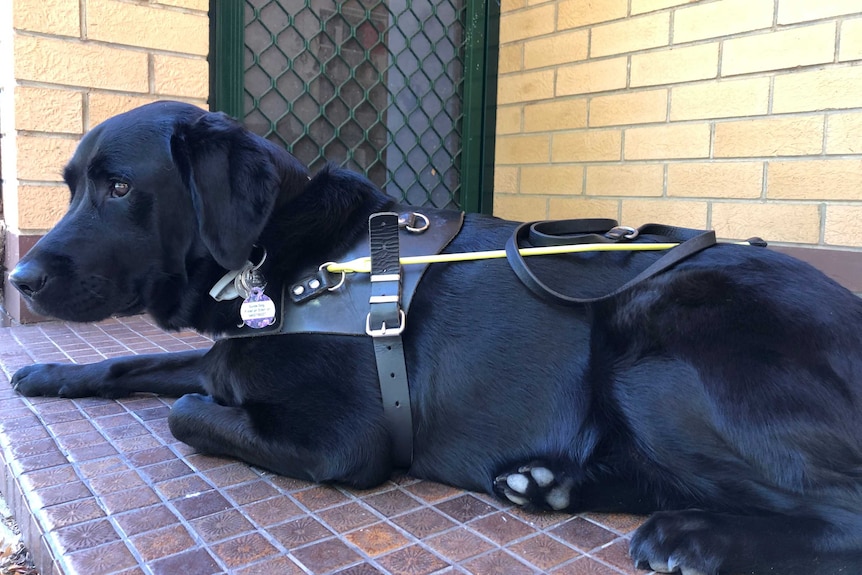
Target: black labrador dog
[{"x": 723, "y": 395}]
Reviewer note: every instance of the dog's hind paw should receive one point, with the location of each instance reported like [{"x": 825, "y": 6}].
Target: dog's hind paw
[{"x": 536, "y": 486}]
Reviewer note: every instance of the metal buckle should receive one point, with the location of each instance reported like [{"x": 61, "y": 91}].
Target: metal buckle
[
  {"x": 385, "y": 331},
  {"x": 618, "y": 233}
]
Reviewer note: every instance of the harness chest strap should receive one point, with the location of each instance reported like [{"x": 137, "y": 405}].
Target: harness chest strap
[{"x": 384, "y": 323}]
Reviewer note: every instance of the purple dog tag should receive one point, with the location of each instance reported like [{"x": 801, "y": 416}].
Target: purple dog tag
[{"x": 257, "y": 309}]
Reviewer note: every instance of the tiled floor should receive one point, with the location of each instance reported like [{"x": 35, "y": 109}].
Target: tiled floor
[{"x": 100, "y": 486}]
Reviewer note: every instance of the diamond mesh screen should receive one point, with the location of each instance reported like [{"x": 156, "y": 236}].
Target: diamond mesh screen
[{"x": 372, "y": 85}]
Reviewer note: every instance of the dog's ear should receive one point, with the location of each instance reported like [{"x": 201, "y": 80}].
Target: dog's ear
[{"x": 235, "y": 178}]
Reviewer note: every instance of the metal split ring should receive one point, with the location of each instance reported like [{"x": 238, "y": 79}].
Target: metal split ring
[
  {"x": 407, "y": 221},
  {"x": 340, "y": 282}
]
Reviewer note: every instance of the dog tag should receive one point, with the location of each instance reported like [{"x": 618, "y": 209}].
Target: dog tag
[{"x": 257, "y": 309}]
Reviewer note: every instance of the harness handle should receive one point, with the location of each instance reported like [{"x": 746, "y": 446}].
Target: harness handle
[{"x": 572, "y": 231}]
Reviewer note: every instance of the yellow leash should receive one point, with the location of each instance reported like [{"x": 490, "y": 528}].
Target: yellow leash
[{"x": 363, "y": 265}]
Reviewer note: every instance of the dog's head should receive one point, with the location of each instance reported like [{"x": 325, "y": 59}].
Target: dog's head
[{"x": 156, "y": 192}]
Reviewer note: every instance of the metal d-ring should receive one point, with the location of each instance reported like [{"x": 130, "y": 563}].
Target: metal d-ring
[
  {"x": 408, "y": 219},
  {"x": 340, "y": 282}
]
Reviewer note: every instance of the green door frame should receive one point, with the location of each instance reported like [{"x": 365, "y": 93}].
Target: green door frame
[{"x": 481, "y": 26}]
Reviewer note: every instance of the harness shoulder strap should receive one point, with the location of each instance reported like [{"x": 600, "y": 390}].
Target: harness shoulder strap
[{"x": 562, "y": 232}]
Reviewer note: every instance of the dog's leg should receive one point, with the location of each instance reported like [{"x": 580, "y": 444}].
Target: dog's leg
[
  {"x": 319, "y": 454},
  {"x": 172, "y": 374},
  {"x": 703, "y": 543}
]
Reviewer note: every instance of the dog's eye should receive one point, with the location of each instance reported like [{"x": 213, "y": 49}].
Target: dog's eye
[{"x": 119, "y": 189}]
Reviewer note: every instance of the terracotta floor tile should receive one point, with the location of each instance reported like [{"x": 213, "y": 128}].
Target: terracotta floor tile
[
  {"x": 85, "y": 535},
  {"x": 361, "y": 569},
  {"x": 299, "y": 532},
  {"x": 459, "y": 544},
  {"x": 182, "y": 487},
  {"x": 617, "y": 554},
  {"x": 232, "y": 474},
  {"x": 543, "y": 552},
  {"x": 163, "y": 542},
  {"x": 432, "y": 492},
  {"x": 102, "y": 559},
  {"x": 116, "y": 482},
  {"x": 348, "y": 517},
  {"x": 251, "y": 492},
  {"x": 198, "y": 505},
  {"x": 244, "y": 550},
  {"x": 497, "y": 563},
  {"x": 192, "y": 562},
  {"x": 501, "y": 527},
  {"x": 465, "y": 508},
  {"x": 586, "y": 566},
  {"x": 320, "y": 497},
  {"x": 146, "y": 519},
  {"x": 412, "y": 560},
  {"x": 65, "y": 514},
  {"x": 424, "y": 522},
  {"x": 376, "y": 539},
  {"x": 131, "y": 499},
  {"x": 220, "y": 526},
  {"x": 273, "y": 511},
  {"x": 391, "y": 503},
  {"x": 326, "y": 556},
  {"x": 272, "y": 566},
  {"x": 583, "y": 534}
]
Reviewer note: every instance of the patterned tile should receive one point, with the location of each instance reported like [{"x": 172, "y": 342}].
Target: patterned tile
[{"x": 113, "y": 491}]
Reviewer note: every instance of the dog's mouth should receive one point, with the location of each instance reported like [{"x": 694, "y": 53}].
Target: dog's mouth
[{"x": 83, "y": 300}]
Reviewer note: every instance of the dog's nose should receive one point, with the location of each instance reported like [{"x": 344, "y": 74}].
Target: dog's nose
[{"x": 28, "y": 278}]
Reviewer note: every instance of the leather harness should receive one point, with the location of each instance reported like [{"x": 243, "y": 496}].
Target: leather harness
[{"x": 376, "y": 304}]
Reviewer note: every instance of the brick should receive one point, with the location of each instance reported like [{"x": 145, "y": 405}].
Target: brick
[
  {"x": 775, "y": 222},
  {"x": 850, "y": 47},
  {"x": 525, "y": 87},
  {"x": 844, "y": 134},
  {"x": 688, "y": 214},
  {"x": 712, "y": 179},
  {"x": 675, "y": 65},
  {"x": 506, "y": 179},
  {"x": 558, "y": 114},
  {"x": 552, "y": 179},
  {"x": 638, "y": 107},
  {"x": 509, "y": 5},
  {"x": 630, "y": 35},
  {"x": 803, "y": 46},
  {"x": 793, "y": 11},
  {"x": 586, "y": 146},
  {"x": 576, "y": 13},
  {"x": 561, "y": 48},
  {"x": 154, "y": 27},
  {"x": 831, "y": 179},
  {"x": 102, "y": 106},
  {"x": 40, "y": 207},
  {"x": 793, "y": 136},
  {"x": 715, "y": 19},
  {"x": 565, "y": 208},
  {"x": 588, "y": 77},
  {"x": 668, "y": 141},
  {"x": 842, "y": 226},
  {"x": 42, "y": 158},
  {"x": 58, "y": 17},
  {"x": 508, "y": 119},
  {"x": 510, "y": 58},
  {"x": 643, "y": 6},
  {"x": 80, "y": 64},
  {"x": 177, "y": 76},
  {"x": 201, "y": 5},
  {"x": 527, "y": 23},
  {"x": 520, "y": 208},
  {"x": 625, "y": 180},
  {"x": 522, "y": 149},
  {"x": 832, "y": 88},
  {"x": 720, "y": 99},
  {"x": 48, "y": 110}
]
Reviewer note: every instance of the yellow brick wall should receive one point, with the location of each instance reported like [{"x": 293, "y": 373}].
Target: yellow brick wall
[
  {"x": 68, "y": 65},
  {"x": 740, "y": 115}
]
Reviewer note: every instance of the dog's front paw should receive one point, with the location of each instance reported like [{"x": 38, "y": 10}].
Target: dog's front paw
[
  {"x": 43, "y": 379},
  {"x": 536, "y": 486},
  {"x": 57, "y": 379},
  {"x": 684, "y": 541}
]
